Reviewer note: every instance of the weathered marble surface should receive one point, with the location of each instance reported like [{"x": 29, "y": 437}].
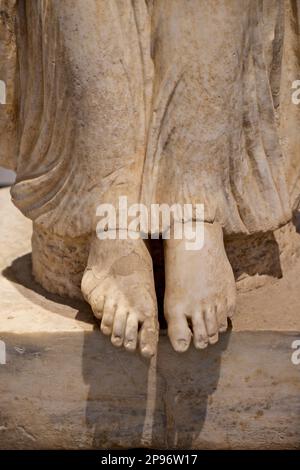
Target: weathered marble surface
[
  {"x": 65, "y": 386},
  {"x": 134, "y": 98}
]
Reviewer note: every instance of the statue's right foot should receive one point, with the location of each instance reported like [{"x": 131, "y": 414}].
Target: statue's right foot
[
  {"x": 118, "y": 283},
  {"x": 200, "y": 290}
]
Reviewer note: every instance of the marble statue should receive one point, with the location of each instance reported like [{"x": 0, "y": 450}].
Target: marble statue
[{"x": 164, "y": 102}]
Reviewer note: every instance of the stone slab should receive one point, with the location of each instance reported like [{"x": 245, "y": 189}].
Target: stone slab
[{"x": 73, "y": 390}]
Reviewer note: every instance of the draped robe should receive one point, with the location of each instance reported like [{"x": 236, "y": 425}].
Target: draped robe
[{"x": 162, "y": 101}]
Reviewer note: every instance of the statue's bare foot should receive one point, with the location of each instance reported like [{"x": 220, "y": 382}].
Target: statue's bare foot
[
  {"x": 118, "y": 284},
  {"x": 200, "y": 290}
]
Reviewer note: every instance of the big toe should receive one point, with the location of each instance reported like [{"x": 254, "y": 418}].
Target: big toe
[
  {"x": 179, "y": 332},
  {"x": 97, "y": 301},
  {"x": 149, "y": 337}
]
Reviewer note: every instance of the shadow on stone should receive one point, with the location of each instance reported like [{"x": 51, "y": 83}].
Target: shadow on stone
[
  {"x": 20, "y": 273},
  {"x": 190, "y": 380},
  {"x": 161, "y": 403},
  {"x": 117, "y": 396},
  {"x": 132, "y": 402}
]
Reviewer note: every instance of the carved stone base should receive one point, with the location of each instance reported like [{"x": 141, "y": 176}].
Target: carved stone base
[
  {"x": 58, "y": 263},
  {"x": 73, "y": 390}
]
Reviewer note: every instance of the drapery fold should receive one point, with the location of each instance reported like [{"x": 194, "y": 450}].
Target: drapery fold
[{"x": 164, "y": 101}]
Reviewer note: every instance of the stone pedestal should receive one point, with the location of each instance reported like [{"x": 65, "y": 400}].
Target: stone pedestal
[{"x": 63, "y": 385}]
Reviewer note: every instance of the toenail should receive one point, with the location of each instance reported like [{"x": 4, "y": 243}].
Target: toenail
[
  {"x": 147, "y": 351},
  {"x": 117, "y": 340},
  {"x": 130, "y": 345},
  {"x": 182, "y": 344},
  {"x": 106, "y": 330}
]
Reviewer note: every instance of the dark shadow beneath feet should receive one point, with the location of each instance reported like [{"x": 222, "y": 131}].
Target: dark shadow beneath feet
[
  {"x": 136, "y": 403},
  {"x": 254, "y": 254},
  {"x": 296, "y": 221},
  {"x": 20, "y": 273}
]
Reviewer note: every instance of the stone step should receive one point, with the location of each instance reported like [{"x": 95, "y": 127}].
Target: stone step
[{"x": 74, "y": 390}]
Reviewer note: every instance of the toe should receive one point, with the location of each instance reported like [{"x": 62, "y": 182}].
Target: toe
[
  {"x": 179, "y": 332},
  {"x": 92, "y": 293},
  {"x": 96, "y": 301},
  {"x": 108, "y": 317},
  {"x": 149, "y": 337},
  {"x": 87, "y": 284},
  {"x": 223, "y": 325},
  {"x": 222, "y": 309},
  {"x": 211, "y": 324},
  {"x": 231, "y": 309},
  {"x": 200, "y": 336},
  {"x": 119, "y": 327},
  {"x": 131, "y": 332},
  {"x": 232, "y": 302}
]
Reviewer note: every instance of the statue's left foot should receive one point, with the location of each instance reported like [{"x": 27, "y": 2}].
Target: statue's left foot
[{"x": 200, "y": 290}]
